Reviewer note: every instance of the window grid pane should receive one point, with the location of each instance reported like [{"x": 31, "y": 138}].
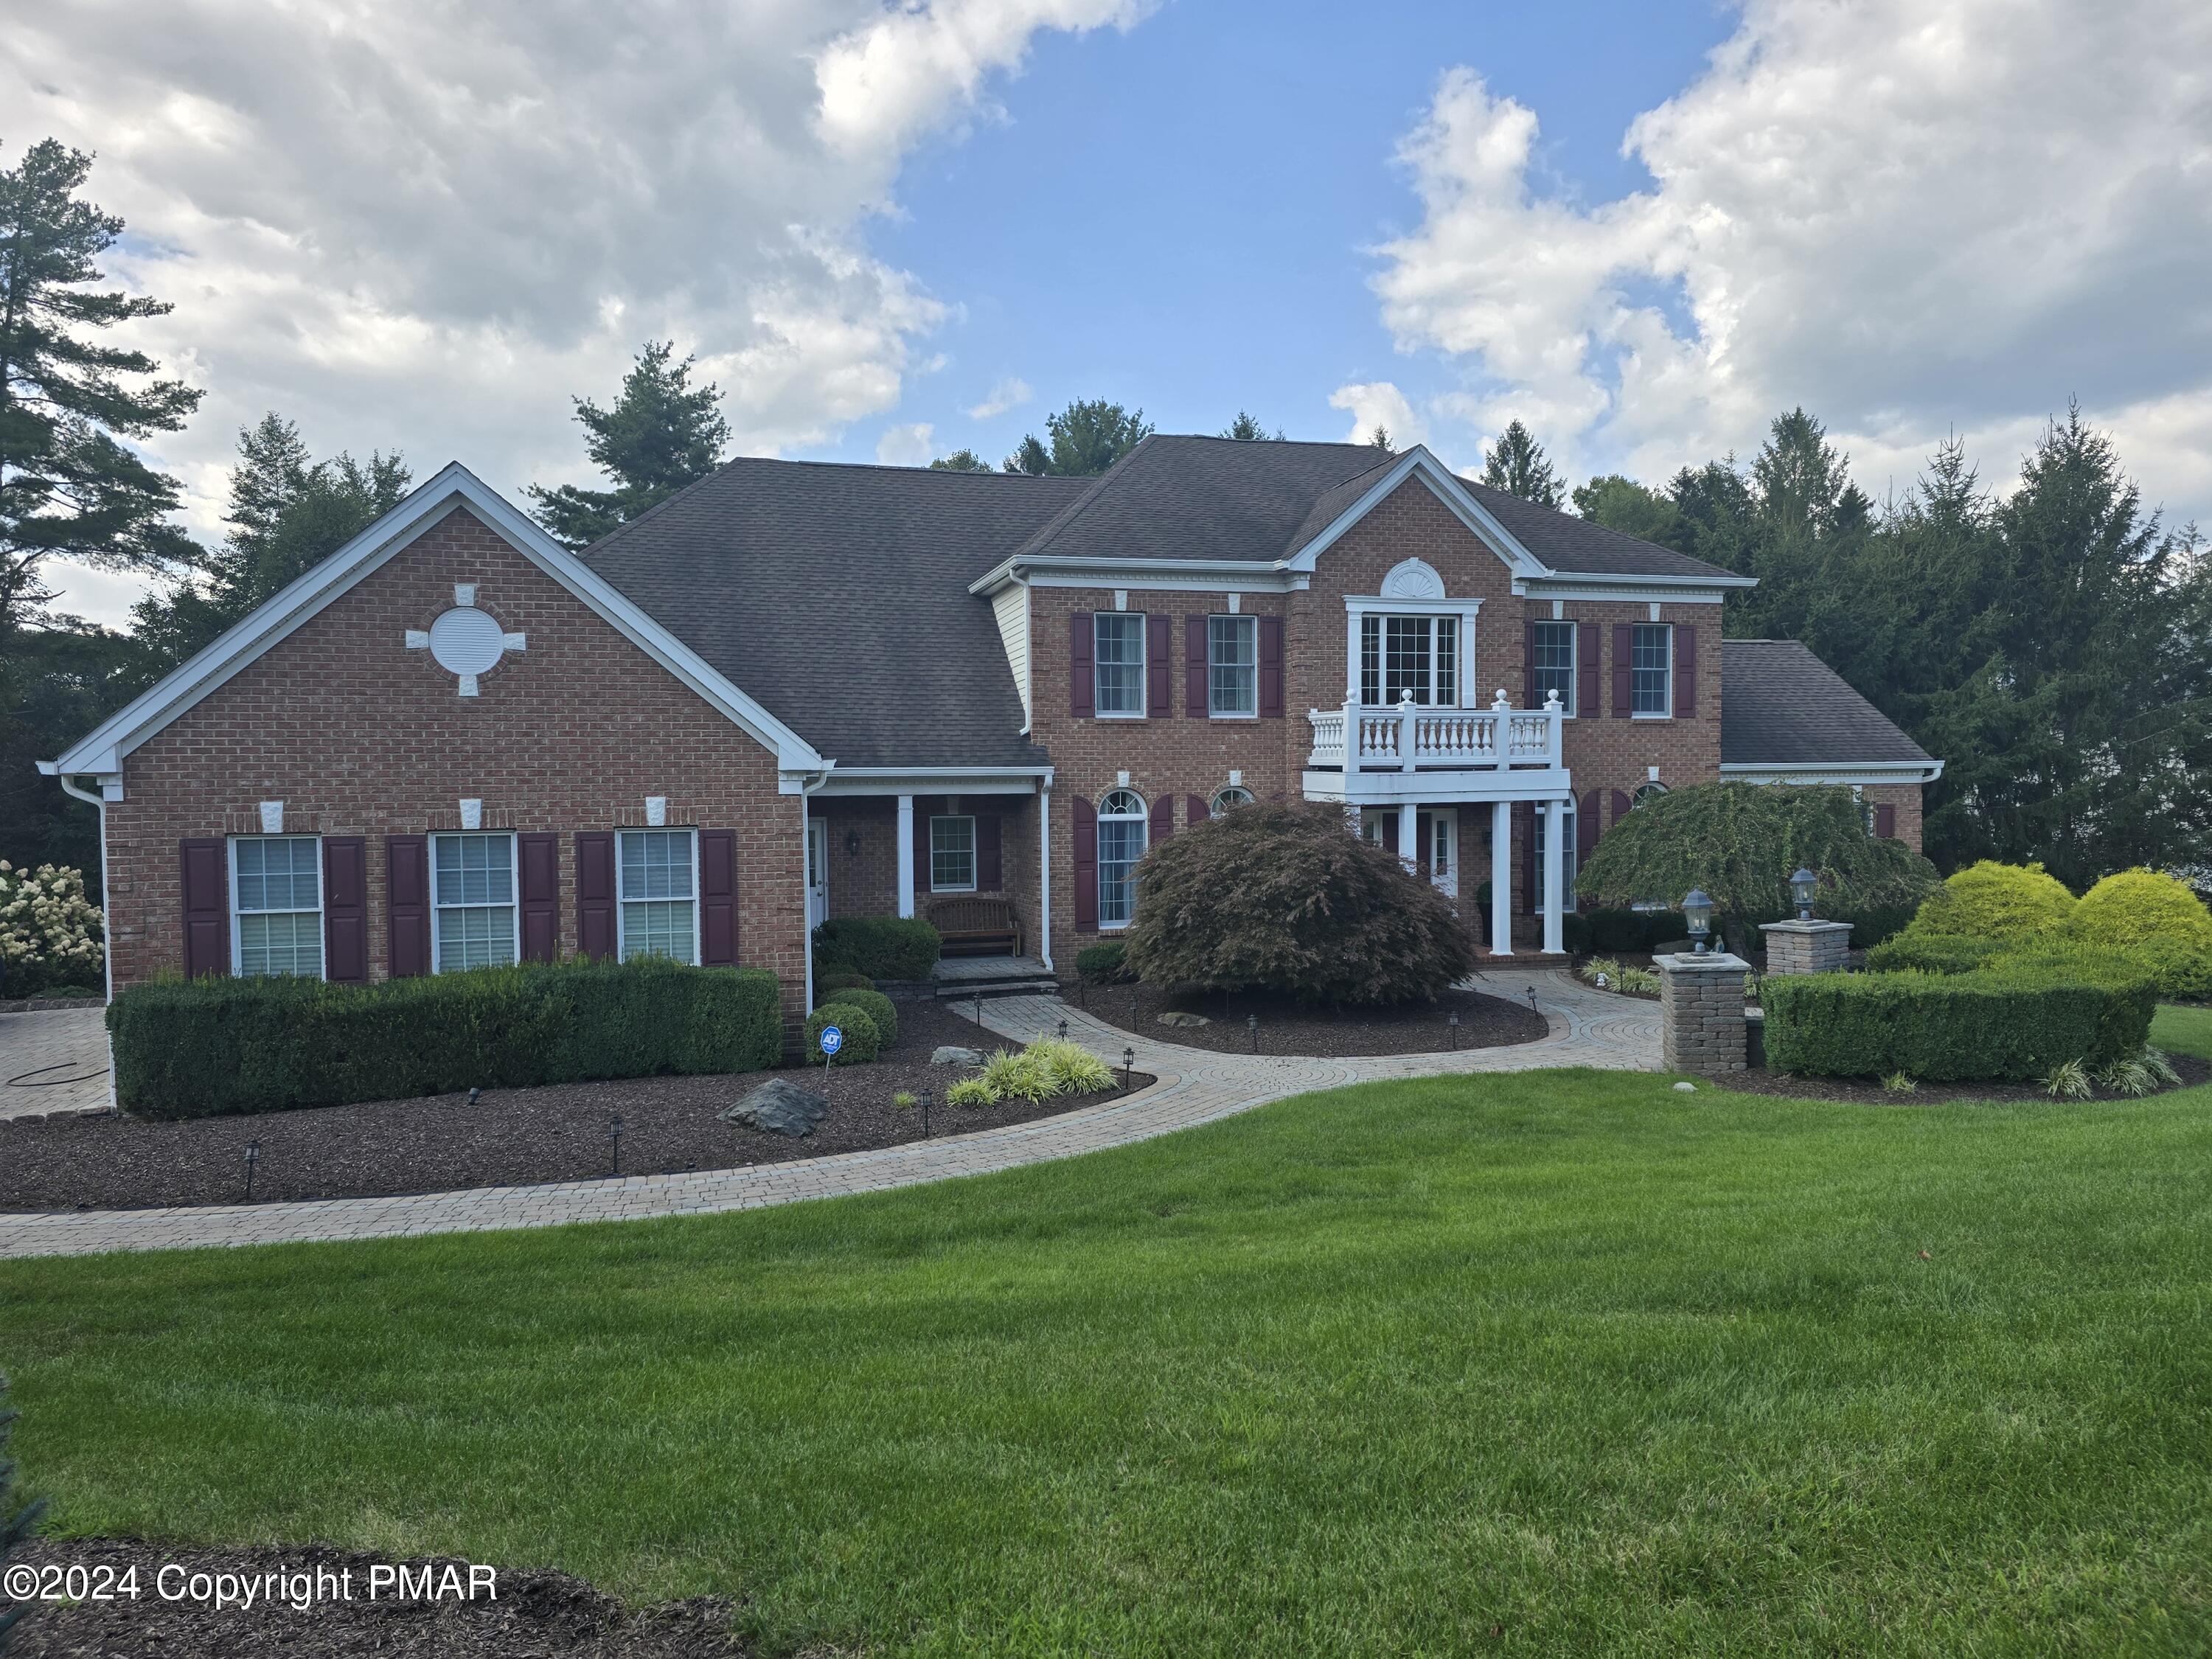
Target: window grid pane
[
  {"x": 281, "y": 943},
  {"x": 1406, "y": 658},
  {"x": 1121, "y": 844},
  {"x": 279, "y": 874},
  {"x": 952, "y": 855},
  {"x": 1121, "y": 662},
  {"x": 658, "y": 928},
  {"x": 1232, "y": 664},
  {"x": 1651, "y": 666},
  {"x": 1447, "y": 683},
  {"x": 1554, "y": 665},
  {"x": 1370, "y": 660},
  {"x": 474, "y": 936},
  {"x": 656, "y": 864},
  {"x": 659, "y": 917}
]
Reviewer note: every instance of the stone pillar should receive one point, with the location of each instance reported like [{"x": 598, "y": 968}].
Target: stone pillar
[
  {"x": 1701, "y": 1025},
  {"x": 1807, "y": 947}
]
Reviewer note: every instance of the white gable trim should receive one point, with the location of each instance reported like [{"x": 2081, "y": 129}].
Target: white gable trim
[
  {"x": 286, "y": 611},
  {"x": 1444, "y": 483}
]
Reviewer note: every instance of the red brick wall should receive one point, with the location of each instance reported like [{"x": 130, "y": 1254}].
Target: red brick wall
[
  {"x": 1906, "y": 798},
  {"x": 866, "y": 883},
  {"x": 358, "y": 736}
]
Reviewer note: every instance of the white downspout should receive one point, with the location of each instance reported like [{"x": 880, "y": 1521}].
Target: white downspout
[
  {"x": 107, "y": 932},
  {"x": 1044, "y": 871},
  {"x": 806, "y": 893}
]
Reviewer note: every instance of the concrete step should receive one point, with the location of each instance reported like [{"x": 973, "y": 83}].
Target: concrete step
[{"x": 963, "y": 990}]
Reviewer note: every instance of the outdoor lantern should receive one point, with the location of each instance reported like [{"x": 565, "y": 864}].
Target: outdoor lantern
[
  {"x": 614, "y": 1134},
  {"x": 1698, "y": 911},
  {"x": 1452, "y": 1020},
  {"x": 253, "y": 1157},
  {"x": 1803, "y": 886},
  {"x": 1128, "y": 1065},
  {"x": 1252, "y": 1025},
  {"x": 1063, "y": 1030},
  {"x": 925, "y": 1102},
  {"x": 473, "y": 1092}
]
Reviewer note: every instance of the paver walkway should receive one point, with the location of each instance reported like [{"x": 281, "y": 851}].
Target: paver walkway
[
  {"x": 1587, "y": 1027},
  {"x": 60, "y": 1055}
]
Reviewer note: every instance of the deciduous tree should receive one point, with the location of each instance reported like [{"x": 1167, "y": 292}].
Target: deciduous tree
[{"x": 1086, "y": 438}]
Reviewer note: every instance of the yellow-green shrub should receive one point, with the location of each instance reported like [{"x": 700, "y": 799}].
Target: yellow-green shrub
[
  {"x": 1990, "y": 900},
  {"x": 2155, "y": 917}
]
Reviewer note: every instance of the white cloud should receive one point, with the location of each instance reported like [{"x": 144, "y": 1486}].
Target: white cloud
[
  {"x": 1379, "y": 402},
  {"x": 426, "y": 226},
  {"x": 906, "y": 446},
  {"x": 1009, "y": 394},
  {"x": 1909, "y": 218}
]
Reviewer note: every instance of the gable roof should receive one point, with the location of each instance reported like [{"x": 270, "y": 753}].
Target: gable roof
[
  {"x": 1782, "y": 706},
  {"x": 838, "y": 595},
  {"x": 102, "y": 749}
]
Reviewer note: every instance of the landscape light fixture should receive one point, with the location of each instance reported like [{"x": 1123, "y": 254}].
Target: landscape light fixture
[
  {"x": 1452, "y": 1020},
  {"x": 1530, "y": 993},
  {"x": 924, "y": 1103},
  {"x": 1698, "y": 911},
  {"x": 1803, "y": 886},
  {"x": 1252, "y": 1025},
  {"x": 1128, "y": 1065},
  {"x": 614, "y": 1134},
  {"x": 253, "y": 1157},
  {"x": 1063, "y": 1030},
  {"x": 473, "y": 1092}
]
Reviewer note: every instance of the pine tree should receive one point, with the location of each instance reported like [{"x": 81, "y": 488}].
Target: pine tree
[
  {"x": 15, "y": 1528},
  {"x": 69, "y": 487},
  {"x": 1380, "y": 439},
  {"x": 1246, "y": 428},
  {"x": 1516, "y": 464},
  {"x": 661, "y": 433},
  {"x": 960, "y": 460},
  {"x": 1087, "y": 437}
]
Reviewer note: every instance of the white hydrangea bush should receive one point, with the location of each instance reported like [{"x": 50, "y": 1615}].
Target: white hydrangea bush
[{"x": 50, "y": 931}]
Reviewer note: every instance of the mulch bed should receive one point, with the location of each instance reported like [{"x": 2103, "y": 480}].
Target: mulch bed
[
  {"x": 536, "y": 1614},
  {"x": 1856, "y": 1092},
  {"x": 1290, "y": 1027},
  {"x": 508, "y": 1138}
]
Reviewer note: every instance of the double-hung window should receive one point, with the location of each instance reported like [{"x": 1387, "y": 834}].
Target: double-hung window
[
  {"x": 1232, "y": 666},
  {"x": 1651, "y": 670},
  {"x": 1409, "y": 656},
  {"x": 1119, "y": 655},
  {"x": 472, "y": 892},
  {"x": 1123, "y": 825},
  {"x": 1552, "y": 667},
  {"x": 276, "y": 905},
  {"x": 952, "y": 855},
  {"x": 656, "y": 887}
]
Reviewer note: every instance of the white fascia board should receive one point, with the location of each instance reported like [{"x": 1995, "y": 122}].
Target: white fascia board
[
  {"x": 1210, "y": 575},
  {"x": 1447, "y": 489},
  {"x": 938, "y": 780},
  {"x": 292, "y": 606},
  {"x": 1671, "y": 590},
  {"x": 1833, "y": 771}
]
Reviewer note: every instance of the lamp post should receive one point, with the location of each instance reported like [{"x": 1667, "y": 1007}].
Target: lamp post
[
  {"x": 1698, "y": 911},
  {"x": 925, "y": 1114},
  {"x": 253, "y": 1157},
  {"x": 1252, "y": 1025},
  {"x": 1452, "y": 1020},
  {"x": 1128, "y": 1065},
  {"x": 1063, "y": 1030},
  {"x": 1803, "y": 886},
  {"x": 614, "y": 1135}
]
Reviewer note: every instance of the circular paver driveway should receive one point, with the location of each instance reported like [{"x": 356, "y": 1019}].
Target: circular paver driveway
[{"x": 1587, "y": 1027}]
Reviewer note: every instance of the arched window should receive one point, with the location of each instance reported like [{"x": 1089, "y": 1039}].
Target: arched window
[
  {"x": 1235, "y": 795},
  {"x": 1123, "y": 825},
  {"x": 1646, "y": 795}
]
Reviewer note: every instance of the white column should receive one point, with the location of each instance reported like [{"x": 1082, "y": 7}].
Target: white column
[
  {"x": 1044, "y": 874},
  {"x": 1555, "y": 870},
  {"x": 906, "y": 855},
  {"x": 1501, "y": 879}
]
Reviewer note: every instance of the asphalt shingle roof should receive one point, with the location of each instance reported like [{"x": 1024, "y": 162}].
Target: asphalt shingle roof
[{"x": 1782, "y": 706}]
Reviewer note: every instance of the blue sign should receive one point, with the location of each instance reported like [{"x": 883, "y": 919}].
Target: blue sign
[{"x": 832, "y": 1039}]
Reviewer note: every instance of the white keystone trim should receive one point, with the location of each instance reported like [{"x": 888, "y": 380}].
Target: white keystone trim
[{"x": 293, "y": 606}]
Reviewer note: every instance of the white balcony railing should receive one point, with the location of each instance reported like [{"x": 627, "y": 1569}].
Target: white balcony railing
[{"x": 1409, "y": 738}]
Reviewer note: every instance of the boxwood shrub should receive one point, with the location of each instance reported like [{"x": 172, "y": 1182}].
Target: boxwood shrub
[
  {"x": 1934, "y": 953},
  {"x": 212, "y": 1046},
  {"x": 1104, "y": 963},
  {"x": 1991, "y": 1025},
  {"x": 861, "y": 1043},
  {"x": 882, "y": 1012},
  {"x": 881, "y": 947},
  {"x": 840, "y": 979}
]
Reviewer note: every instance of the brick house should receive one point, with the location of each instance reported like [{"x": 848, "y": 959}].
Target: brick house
[{"x": 796, "y": 690}]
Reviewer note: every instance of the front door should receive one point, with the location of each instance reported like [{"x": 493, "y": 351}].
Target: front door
[
  {"x": 818, "y": 872},
  {"x": 1436, "y": 847}
]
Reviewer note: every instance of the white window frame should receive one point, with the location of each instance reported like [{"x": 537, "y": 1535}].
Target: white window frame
[
  {"x": 1668, "y": 713},
  {"x": 1248, "y": 628},
  {"x": 1570, "y": 860},
  {"x": 1360, "y": 606},
  {"x": 1098, "y": 709},
  {"x": 1222, "y": 800},
  {"x": 1142, "y": 817},
  {"x": 623, "y": 901},
  {"x": 974, "y": 862},
  {"x": 238, "y": 932},
  {"x": 514, "y": 899},
  {"x": 1568, "y": 701},
  {"x": 1382, "y": 619}
]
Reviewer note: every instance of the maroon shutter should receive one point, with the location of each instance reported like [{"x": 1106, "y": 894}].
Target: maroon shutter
[
  {"x": 1587, "y": 827},
  {"x": 596, "y": 933},
  {"x": 925, "y": 808},
  {"x": 1086, "y": 863},
  {"x": 1195, "y": 811},
  {"x": 345, "y": 909},
  {"x": 1624, "y": 661},
  {"x": 1082, "y": 675},
  {"x": 1196, "y": 704},
  {"x": 1530, "y": 698},
  {"x": 1163, "y": 823},
  {"x": 1390, "y": 831},
  {"x": 1622, "y": 805},
  {"x": 207, "y": 907},
  {"x": 1159, "y": 666},
  {"x": 1884, "y": 823},
  {"x": 718, "y": 897},
  {"x": 407, "y": 904},
  {"x": 1686, "y": 671},
  {"x": 990, "y": 866},
  {"x": 1270, "y": 667},
  {"x": 539, "y": 855},
  {"x": 1587, "y": 701}
]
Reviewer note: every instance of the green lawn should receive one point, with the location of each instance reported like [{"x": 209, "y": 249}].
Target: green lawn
[{"x": 1564, "y": 1362}]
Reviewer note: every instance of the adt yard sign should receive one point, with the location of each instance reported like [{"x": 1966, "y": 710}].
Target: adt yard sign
[{"x": 832, "y": 1039}]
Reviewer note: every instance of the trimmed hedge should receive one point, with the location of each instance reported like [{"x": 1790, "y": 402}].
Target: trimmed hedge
[
  {"x": 841, "y": 979},
  {"x": 1933, "y": 953},
  {"x": 1992, "y": 1025},
  {"x": 1610, "y": 931},
  {"x": 861, "y": 1043},
  {"x": 208, "y": 1046},
  {"x": 881, "y": 947},
  {"x": 1105, "y": 963},
  {"x": 882, "y": 1012}
]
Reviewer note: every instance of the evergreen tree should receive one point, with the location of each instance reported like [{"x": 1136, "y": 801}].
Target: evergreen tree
[
  {"x": 1087, "y": 437},
  {"x": 661, "y": 433},
  {"x": 1380, "y": 439},
  {"x": 960, "y": 460},
  {"x": 69, "y": 488},
  {"x": 14, "y": 1528},
  {"x": 1516, "y": 464},
  {"x": 69, "y": 676},
  {"x": 1621, "y": 503},
  {"x": 1246, "y": 428}
]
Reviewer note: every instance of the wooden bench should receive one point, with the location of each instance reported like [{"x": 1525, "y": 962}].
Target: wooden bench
[{"x": 977, "y": 927}]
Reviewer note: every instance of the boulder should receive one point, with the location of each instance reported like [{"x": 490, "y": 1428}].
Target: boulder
[
  {"x": 949, "y": 1056},
  {"x": 1176, "y": 1017},
  {"x": 779, "y": 1106}
]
